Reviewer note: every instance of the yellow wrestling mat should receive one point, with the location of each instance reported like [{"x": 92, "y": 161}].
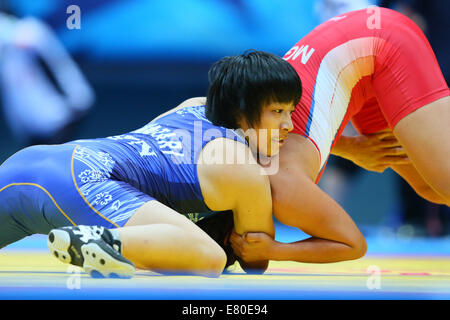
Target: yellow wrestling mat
[{"x": 35, "y": 274}]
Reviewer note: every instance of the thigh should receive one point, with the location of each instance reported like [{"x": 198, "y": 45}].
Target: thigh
[
  {"x": 31, "y": 183},
  {"x": 413, "y": 97},
  {"x": 410, "y": 174},
  {"x": 407, "y": 75},
  {"x": 10, "y": 230},
  {"x": 154, "y": 212},
  {"x": 108, "y": 203},
  {"x": 425, "y": 137}
]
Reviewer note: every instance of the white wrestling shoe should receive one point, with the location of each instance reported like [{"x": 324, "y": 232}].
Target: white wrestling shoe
[{"x": 92, "y": 248}]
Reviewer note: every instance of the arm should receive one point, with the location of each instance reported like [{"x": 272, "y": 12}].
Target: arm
[
  {"x": 298, "y": 202},
  {"x": 253, "y": 212},
  {"x": 381, "y": 150},
  {"x": 239, "y": 186},
  {"x": 374, "y": 152},
  {"x": 334, "y": 235}
]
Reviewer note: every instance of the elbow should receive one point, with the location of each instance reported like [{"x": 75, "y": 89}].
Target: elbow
[
  {"x": 257, "y": 267},
  {"x": 358, "y": 249}
]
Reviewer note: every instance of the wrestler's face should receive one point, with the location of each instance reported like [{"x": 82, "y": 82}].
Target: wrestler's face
[{"x": 275, "y": 123}]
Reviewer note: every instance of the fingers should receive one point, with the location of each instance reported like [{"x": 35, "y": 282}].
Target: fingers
[
  {"x": 240, "y": 243},
  {"x": 239, "y": 240},
  {"x": 392, "y": 151},
  {"x": 382, "y": 135},
  {"x": 395, "y": 160},
  {"x": 398, "y": 152},
  {"x": 389, "y": 144},
  {"x": 235, "y": 238},
  {"x": 377, "y": 152},
  {"x": 391, "y": 147},
  {"x": 252, "y": 237},
  {"x": 375, "y": 144},
  {"x": 236, "y": 243},
  {"x": 386, "y": 136},
  {"x": 388, "y": 161}
]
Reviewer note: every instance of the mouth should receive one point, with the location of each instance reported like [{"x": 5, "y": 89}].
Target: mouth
[{"x": 280, "y": 140}]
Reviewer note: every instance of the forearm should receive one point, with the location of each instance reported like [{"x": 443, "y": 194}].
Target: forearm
[
  {"x": 315, "y": 250},
  {"x": 334, "y": 235}
]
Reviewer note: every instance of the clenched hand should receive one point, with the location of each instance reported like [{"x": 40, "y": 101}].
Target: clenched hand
[{"x": 252, "y": 246}]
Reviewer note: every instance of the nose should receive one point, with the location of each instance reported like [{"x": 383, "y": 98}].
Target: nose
[{"x": 286, "y": 124}]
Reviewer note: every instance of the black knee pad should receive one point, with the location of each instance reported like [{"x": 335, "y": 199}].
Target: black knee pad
[{"x": 219, "y": 227}]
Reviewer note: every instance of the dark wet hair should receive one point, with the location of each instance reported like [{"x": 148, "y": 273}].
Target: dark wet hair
[{"x": 240, "y": 86}]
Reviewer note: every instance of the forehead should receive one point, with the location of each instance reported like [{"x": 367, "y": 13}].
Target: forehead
[{"x": 280, "y": 105}]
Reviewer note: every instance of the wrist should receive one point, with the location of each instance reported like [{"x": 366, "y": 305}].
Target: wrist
[
  {"x": 276, "y": 251},
  {"x": 341, "y": 148}
]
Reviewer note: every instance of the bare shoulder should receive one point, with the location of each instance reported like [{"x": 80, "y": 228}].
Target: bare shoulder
[
  {"x": 226, "y": 168},
  {"x": 299, "y": 153},
  {"x": 226, "y": 156},
  {"x": 197, "y": 101}
]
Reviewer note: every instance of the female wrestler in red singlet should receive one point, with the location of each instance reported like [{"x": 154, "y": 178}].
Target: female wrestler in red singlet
[{"x": 375, "y": 68}]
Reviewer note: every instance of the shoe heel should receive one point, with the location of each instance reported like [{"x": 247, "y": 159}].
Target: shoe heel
[
  {"x": 58, "y": 242},
  {"x": 100, "y": 264}
]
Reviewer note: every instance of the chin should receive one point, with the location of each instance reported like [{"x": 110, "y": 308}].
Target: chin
[
  {"x": 269, "y": 154},
  {"x": 272, "y": 152}
]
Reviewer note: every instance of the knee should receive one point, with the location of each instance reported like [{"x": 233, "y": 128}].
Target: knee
[
  {"x": 211, "y": 260},
  {"x": 359, "y": 248}
]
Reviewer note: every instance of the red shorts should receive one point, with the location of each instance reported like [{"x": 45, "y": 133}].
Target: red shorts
[{"x": 373, "y": 67}]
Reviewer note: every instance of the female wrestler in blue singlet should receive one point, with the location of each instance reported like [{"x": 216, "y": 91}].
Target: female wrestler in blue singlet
[{"x": 114, "y": 203}]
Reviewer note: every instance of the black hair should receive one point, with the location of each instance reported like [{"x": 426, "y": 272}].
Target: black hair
[{"x": 240, "y": 86}]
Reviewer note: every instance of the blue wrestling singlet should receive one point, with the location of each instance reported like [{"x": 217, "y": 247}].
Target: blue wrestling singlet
[{"x": 104, "y": 181}]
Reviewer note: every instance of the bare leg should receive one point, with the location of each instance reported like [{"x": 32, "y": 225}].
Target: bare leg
[
  {"x": 425, "y": 134},
  {"x": 162, "y": 240},
  {"x": 409, "y": 174}
]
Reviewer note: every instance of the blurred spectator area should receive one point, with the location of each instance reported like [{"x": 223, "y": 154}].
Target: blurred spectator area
[{"x": 143, "y": 57}]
